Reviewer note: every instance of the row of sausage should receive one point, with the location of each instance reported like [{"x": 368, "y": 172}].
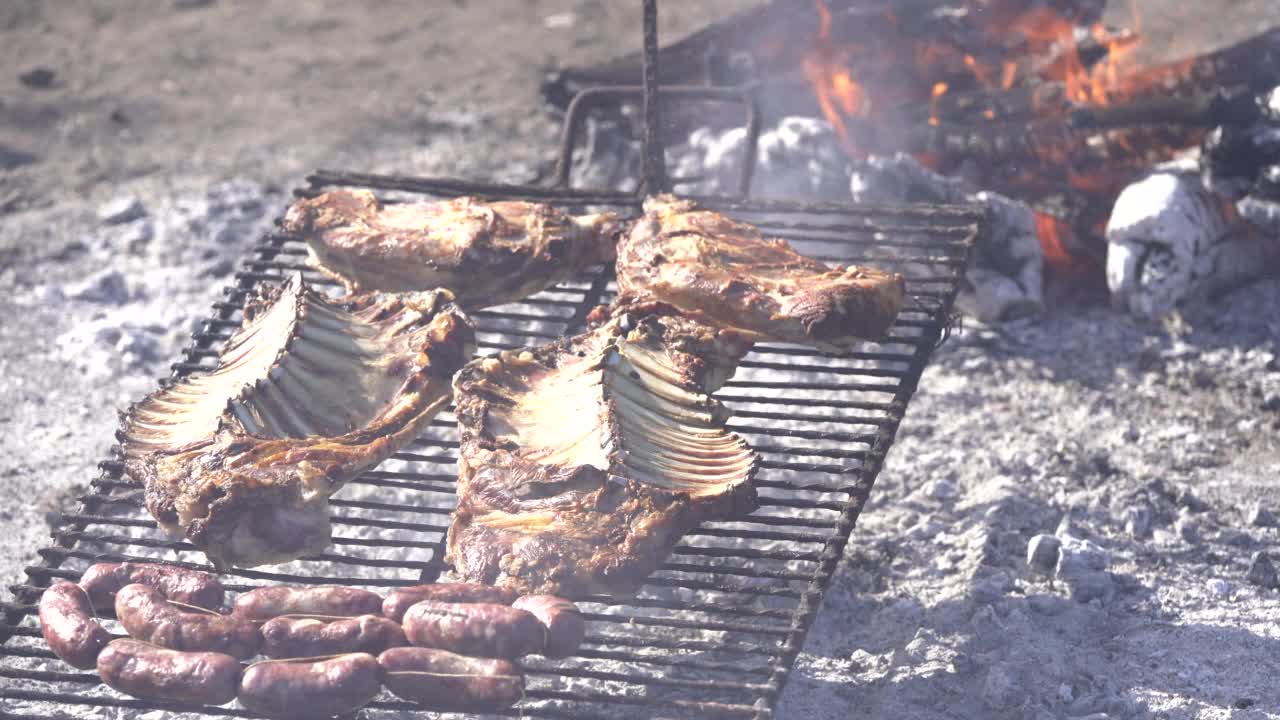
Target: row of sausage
[{"x": 448, "y": 646}]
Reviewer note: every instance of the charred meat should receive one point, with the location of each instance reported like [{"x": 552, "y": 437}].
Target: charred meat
[
  {"x": 306, "y": 395},
  {"x": 486, "y": 253},
  {"x": 725, "y": 273},
  {"x": 584, "y": 461}
]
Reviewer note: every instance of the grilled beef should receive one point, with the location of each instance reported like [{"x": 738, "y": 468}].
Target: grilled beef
[
  {"x": 306, "y": 395},
  {"x": 724, "y": 273},
  {"x": 486, "y": 253},
  {"x": 582, "y": 462}
]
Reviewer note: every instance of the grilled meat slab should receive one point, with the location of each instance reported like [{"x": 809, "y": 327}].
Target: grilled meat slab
[
  {"x": 582, "y": 462},
  {"x": 724, "y": 273},
  {"x": 306, "y": 395},
  {"x": 485, "y": 253}
]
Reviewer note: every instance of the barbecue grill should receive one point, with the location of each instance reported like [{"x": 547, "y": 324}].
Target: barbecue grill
[{"x": 716, "y": 631}]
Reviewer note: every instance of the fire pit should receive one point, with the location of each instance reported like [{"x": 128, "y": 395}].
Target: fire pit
[
  {"x": 716, "y": 631},
  {"x": 1090, "y": 158}
]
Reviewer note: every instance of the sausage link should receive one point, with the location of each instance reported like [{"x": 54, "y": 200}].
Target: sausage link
[
  {"x": 146, "y": 615},
  {"x": 399, "y": 602},
  {"x": 447, "y": 682},
  {"x": 69, "y": 626},
  {"x": 309, "y": 688},
  {"x": 294, "y": 637},
  {"x": 478, "y": 629},
  {"x": 564, "y": 624},
  {"x": 153, "y": 673},
  {"x": 104, "y": 580},
  {"x": 268, "y": 602}
]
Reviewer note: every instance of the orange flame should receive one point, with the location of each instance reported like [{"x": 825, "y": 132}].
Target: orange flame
[
  {"x": 1055, "y": 237},
  {"x": 861, "y": 85},
  {"x": 828, "y": 68}
]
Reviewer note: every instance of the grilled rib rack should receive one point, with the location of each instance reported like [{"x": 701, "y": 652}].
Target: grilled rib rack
[{"x": 716, "y": 631}]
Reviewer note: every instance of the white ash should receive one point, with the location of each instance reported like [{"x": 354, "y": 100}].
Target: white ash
[
  {"x": 161, "y": 267},
  {"x": 1170, "y": 241},
  {"x": 800, "y": 158},
  {"x": 1005, "y": 279},
  {"x": 1083, "y": 414}
]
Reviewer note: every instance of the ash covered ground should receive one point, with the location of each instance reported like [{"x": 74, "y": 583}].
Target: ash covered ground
[{"x": 1150, "y": 453}]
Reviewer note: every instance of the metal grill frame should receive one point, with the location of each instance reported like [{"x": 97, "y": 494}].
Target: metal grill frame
[
  {"x": 814, "y": 482},
  {"x": 752, "y": 646}
]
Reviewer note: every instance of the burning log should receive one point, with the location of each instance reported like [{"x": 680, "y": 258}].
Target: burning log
[{"x": 1171, "y": 239}]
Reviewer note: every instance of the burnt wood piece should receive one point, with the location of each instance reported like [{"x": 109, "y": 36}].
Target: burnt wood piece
[
  {"x": 308, "y": 393},
  {"x": 583, "y": 462}
]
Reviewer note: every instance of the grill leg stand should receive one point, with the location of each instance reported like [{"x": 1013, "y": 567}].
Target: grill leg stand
[{"x": 655, "y": 170}]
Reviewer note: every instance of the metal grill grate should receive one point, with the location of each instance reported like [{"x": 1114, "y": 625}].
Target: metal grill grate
[{"x": 716, "y": 631}]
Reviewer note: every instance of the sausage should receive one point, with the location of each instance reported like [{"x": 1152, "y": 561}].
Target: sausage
[
  {"x": 309, "y": 688},
  {"x": 398, "y": 602},
  {"x": 293, "y": 637},
  {"x": 447, "y": 682},
  {"x": 564, "y": 624},
  {"x": 146, "y": 615},
  {"x": 104, "y": 580},
  {"x": 69, "y": 626},
  {"x": 154, "y": 673},
  {"x": 477, "y": 629},
  {"x": 268, "y": 602}
]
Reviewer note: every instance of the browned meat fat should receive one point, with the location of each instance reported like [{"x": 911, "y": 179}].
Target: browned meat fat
[
  {"x": 306, "y": 395},
  {"x": 724, "y": 273},
  {"x": 583, "y": 462},
  {"x": 485, "y": 253}
]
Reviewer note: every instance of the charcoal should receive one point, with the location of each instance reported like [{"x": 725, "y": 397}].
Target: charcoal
[
  {"x": 1082, "y": 567},
  {"x": 1261, "y": 203},
  {"x": 1241, "y": 162},
  {"x": 1227, "y": 162},
  {"x": 39, "y": 78},
  {"x": 1269, "y": 104},
  {"x": 1259, "y": 515},
  {"x": 1005, "y": 281},
  {"x": 1043, "y": 552},
  {"x": 1262, "y": 571}
]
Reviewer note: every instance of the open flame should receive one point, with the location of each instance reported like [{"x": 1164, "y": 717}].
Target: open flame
[
  {"x": 865, "y": 89},
  {"x": 829, "y": 69}
]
